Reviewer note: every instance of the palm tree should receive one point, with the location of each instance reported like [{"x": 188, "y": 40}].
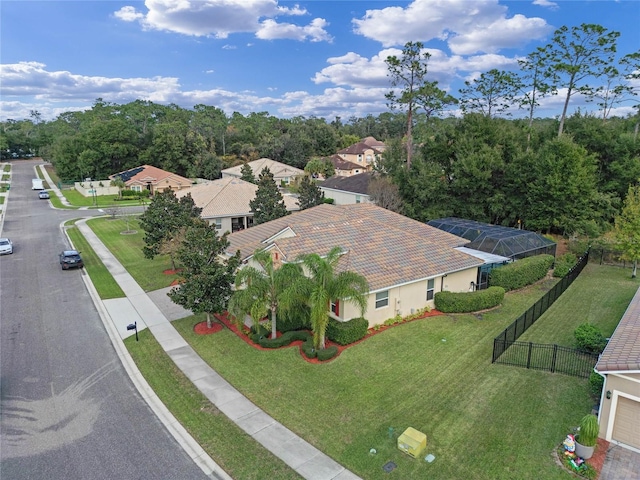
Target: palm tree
[
  {"x": 322, "y": 285},
  {"x": 265, "y": 291}
]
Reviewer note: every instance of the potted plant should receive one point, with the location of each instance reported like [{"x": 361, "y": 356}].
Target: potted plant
[{"x": 587, "y": 437}]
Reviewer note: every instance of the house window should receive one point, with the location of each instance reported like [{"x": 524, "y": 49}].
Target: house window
[
  {"x": 382, "y": 299},
  {"x": 360, "y": 158},
  {"x": 218, "y": 223},
  {"x": 136, "y": 188},
  {"x": 357, "y": 198},
  {"x": 335, "y": 307},
  {"x": 430, "y": 288}
]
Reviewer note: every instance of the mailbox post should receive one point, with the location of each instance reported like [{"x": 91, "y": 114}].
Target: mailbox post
[{"x": 133, "y": 326}]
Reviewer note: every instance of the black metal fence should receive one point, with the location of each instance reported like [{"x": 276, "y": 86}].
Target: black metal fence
[
  {"x": 608, "y": 257},
  {"x": 510, "y": 334},
  {"x": 552, "y": 358}
]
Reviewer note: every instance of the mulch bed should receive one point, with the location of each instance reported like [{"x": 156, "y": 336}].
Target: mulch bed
[
  {"x": 202, "y": 329},
  {"x": 243, "y": 334}
]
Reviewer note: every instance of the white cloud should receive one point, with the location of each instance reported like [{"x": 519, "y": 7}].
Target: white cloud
[
  {"x": 467, "y": 26},
  {"x": 221, "y": 18},
  {"x": 546, "y": 3}
]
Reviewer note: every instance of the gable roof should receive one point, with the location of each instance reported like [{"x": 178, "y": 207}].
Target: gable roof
[
  {"x": 149, "y": 174},
  {"x": 227, "y": 196},
  {"x": 622, "y": 353},
  {"x": 386, "y": 248},
  {"x": 357, "y": 149},
  {"x": 358, "y": 183},
  {"x": 372, "y": 142},
  {"x": 279, "y": 170}
]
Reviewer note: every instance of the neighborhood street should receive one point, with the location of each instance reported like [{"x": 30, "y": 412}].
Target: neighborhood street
[{"x": 68, "y": 408}]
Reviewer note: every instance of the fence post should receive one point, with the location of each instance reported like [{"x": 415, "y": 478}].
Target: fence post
[
  {"x": 553, "y": 359},
  {"x": 529, "y": 355}
]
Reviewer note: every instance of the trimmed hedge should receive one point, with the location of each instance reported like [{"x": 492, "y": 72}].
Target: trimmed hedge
[
  {"x": 563, "y": 264},
  {"x": 344, "y": 333},
  {"x": 450, "y": 302},
  {"x": 284, "y": 339},
  {"x": 521, "y": 273},
  {"x": 327, "y": 353},
  {"x": 308, "y": 350}
]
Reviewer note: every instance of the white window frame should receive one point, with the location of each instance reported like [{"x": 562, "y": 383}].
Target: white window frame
[
  {"x": 218, "y": 223},
  {"x": 136, "y": 188},
  {"x": 382, "y": 299},
  {"x": 431, "y": 288}
]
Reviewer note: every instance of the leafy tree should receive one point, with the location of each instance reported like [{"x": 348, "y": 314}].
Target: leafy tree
[
  {"x": 433, "y": 99},
  {"x": 627, "y": 228},
  {"x": 490, "y": 94},
  {"x": 207, "y": 279},
  {"x": 247, "y": 173},
  {"x": 118, "y": 182},
  {"x": 322, "y": 285},
  {"x": 575, "y": 55},
  {"x": 268, "y": 204},
  {"x": 263, "y": 291},
  {"x": 309, "y": 194},
  {"x": 618, "y": 87},
  {"x": 408, "y": 73},
  {"x": 320, "y": 166},
  {"x": 163, "y": 219}
]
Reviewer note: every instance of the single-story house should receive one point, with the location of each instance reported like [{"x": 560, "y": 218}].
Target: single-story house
[
  {"x": 154, "y": 179},
  {"x": 619, "y": 363},
  {"x": 283, "y": 174},
  {"x": 225, "y": 202},
  {"x": 345, "y": 168},
  {"x": 347, "y": 190},
  {"x": 405, "y": 262}
]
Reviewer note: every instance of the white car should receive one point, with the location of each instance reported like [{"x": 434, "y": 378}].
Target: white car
[{"x": 6, "y": 246}]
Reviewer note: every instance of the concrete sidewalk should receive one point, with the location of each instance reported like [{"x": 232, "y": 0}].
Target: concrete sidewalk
[{"x": 305, "y": 459}]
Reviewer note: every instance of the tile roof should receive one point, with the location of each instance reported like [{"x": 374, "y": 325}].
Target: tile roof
[
  {"x": 149, "y": 174},
  {"x": 387, "y": 248},
  {"x": 279, "y": 170},
  {"x": 622, "y": 353},
  {"x": 358, "y": 148},
  {"x": 227, "y": 197},
  {"x": 340, "y": 163},
  {"x": 372, "y": 142},
  {"x": 358, "y": 183}
]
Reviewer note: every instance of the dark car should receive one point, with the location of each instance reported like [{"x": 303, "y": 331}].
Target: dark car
[
  {"x": 43, "y": 195},
  {"x": 70, "y": 259}
]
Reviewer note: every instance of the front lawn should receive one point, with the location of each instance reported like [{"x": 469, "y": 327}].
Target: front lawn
[
  {"x": 127, "y": 248},
  {"x": 76, "y": 199}
]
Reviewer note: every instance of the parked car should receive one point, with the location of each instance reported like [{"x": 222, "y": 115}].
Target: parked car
[
  {"x": 6, "y": 247},
  {"x": 44, "y": 195},
  {"x": 70, "y": 259}
]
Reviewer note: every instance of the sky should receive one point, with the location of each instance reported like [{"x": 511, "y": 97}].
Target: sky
[{"x": 319, "y": 58}]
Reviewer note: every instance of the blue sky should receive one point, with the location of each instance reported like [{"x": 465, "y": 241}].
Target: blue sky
[{"x": 319, "y": 58}]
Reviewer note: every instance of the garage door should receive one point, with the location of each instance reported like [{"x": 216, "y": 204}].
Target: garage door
[{"x": 626, "y": 428}]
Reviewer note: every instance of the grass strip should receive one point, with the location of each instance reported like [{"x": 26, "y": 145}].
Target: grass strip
[
  {"x": 104, "y": 283},
  {"x": 235, "y": 451}
]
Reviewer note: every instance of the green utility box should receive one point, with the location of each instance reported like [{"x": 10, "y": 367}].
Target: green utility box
[{"x": 412, "y": 442}]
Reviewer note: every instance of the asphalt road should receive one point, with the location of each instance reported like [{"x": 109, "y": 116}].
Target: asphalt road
[{"x": 68, "y": 408}]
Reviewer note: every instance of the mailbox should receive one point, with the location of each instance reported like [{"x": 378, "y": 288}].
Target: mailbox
[
  {"x": 412, "y": 442},
  {"x": 131, "y": 326}
]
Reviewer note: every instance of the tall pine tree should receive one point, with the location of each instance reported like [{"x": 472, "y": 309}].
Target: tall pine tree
[
  {"x": 247, "y": 173},
  {"x": 309, "y": 193},
  {"x": 268, "y": 204}
]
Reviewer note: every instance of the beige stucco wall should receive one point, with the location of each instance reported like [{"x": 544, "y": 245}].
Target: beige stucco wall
[
  {"x": 105, "y": 189},
  {"x": 409, "y": 298},
  {"x": 344, "y": 198},
  {"x": 619, "y": 384}
]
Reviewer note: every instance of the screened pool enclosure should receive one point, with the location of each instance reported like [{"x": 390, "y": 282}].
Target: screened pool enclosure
[{"x": 495, "y": 239}]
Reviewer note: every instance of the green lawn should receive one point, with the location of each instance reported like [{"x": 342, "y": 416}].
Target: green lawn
[
  {"x": 76, "y": 199},
  {"x": 6, "y": 167},
  {"x": 482, "y": 421},
  {"x": 127, "y": 248}
]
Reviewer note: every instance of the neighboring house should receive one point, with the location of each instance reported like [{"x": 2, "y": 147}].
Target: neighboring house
[
  {"x": 361, "y": 154},
  {"x": 347, "y": 190},
  {"x": 619, "y": 363},
  {"x": 405, "y": 262},
  {"x": 225, "y": 202},
  {"x": 377, "y": 144},
  {"x": 146, "y": 177},
  {"x": 282, "y": 173},
  {"x": 345, "y": 168}
]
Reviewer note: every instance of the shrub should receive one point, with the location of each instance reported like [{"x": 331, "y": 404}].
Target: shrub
[
  {"x": 257, "y": 332},
  {"x": 596, "y": 382},
  {"x": 521, "y": 273},
  {"x": 284, "y": 339},
  {"x": 295, "y": 319},
  {"x": 563, "y": 264},
  {"x": 344, "y": 333},
  {"x": 330, "y": 201},
  {"x": 327, "y": 353},
  {"x": 589, "y": 338},
  {"x": 308, "y": 349},
  {"x": 450, "y": 302}
]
